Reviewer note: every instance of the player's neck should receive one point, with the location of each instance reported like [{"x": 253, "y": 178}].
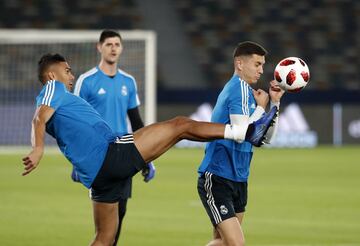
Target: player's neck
[
  {"x": 241, "y": 76},
  {"x": 107, "y": 68}
]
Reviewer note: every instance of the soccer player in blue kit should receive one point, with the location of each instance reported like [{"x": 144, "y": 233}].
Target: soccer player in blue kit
[
  {"x": 113, "y": 93},
  {"x": 101, "y": 158},
  {"x": 224, "y": 171}
]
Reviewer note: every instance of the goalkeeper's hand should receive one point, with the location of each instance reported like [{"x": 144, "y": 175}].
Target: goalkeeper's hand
[
  {"x": 148, "y": 172},
  {"x": 75, "y": 176}
]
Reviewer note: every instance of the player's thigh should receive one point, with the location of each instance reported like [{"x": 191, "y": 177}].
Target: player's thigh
[
  {"x": 240, "y": 217},
  {"x": 106, "y": 220},
  {"x": 216, "y": 234},
  {"x": 153, "y": 140},
  {"x": 231, "y": 232},
  {"x": 217, "y": 241}
]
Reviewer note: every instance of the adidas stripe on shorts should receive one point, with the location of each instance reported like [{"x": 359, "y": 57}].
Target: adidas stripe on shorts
[{"x": 222, "y": 198}]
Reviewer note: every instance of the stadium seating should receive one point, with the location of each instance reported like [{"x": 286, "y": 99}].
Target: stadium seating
[
  {"x": 323, "y": 33},
  {"x": 67, "y": 14}
]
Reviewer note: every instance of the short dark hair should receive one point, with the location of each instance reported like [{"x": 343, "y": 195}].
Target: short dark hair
[
  {"x": 249, "y": 48},
  {"x": 45, "y": 62},
  {"x": 107, "y": 33}
]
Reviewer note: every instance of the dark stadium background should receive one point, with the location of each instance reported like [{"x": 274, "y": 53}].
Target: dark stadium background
[
  {"x": 196, "y": 39},
  {"x": 297, "y": 196}
]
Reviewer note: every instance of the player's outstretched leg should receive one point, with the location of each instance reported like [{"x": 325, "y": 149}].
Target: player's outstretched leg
[
  {"x": 257, "y": 130},
  {"x": 153, "y": 140}
]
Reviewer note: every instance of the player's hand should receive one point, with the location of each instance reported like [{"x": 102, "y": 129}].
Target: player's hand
[
  {"x": 31, "y": 161},
  {"x": 148, "y": 172},
  {"x": 261, "y": 97},
  {"x": 275, "y": 91},
  {"x": 75, "y": 176}
]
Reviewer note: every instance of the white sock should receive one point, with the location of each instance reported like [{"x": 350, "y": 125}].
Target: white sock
[{"x": 235, "y": 132}]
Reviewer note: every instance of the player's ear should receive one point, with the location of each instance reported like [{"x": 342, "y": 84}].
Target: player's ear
[
  {"x": 121, "y": 48},
  {"x": 98, "y": 46},
  {"x": 238, "y": 63},
  {"x": 50, "y": 76}
]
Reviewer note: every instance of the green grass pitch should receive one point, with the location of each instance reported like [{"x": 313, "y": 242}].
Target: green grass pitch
[{"x": 307, "y": 197}]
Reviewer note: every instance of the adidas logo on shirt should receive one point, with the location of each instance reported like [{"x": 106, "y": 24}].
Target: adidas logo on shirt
[{"x": 101, "y": 91}]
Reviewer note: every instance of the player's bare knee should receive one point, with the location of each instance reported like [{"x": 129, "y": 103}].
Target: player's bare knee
[
  {"x": 235, "y": 242},
  {"x": 105, "y": 238},
  {"x": 105, "y": 235},
  {"x": 181, "y": 122},
  {"x": 216, "y": 242}
]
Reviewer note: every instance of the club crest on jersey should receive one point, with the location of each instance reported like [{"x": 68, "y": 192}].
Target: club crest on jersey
[
  {"x": 101, "y": 91},
  {"x": 223, "y": 210},
  {"x": 253, "y": 105},
  {"x": 124, "y": 90}
]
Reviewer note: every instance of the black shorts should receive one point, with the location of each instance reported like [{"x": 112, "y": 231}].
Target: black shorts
[
  {"x": 122, "y": 162},
  {"x": 222, "y": 198}
]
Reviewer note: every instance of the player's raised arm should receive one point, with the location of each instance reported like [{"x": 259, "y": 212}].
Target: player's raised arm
[
  {"x": 275, "y": 93},
  {"x": 42, "y": 114}
]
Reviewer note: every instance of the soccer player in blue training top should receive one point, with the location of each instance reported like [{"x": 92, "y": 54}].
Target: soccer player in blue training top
[
  {"x": 224, "y": 171},
  {"x": 102, "y": 159},
  {"x": 113, "y": 93}
]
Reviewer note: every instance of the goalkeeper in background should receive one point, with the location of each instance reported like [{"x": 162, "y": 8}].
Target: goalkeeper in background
[{"x": 113, "y": 93}]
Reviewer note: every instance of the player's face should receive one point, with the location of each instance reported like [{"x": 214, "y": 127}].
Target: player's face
[
  {"x": 62, "y": 72},
  {"x": 251, "y": 67},
  {"x": 110, "y": 50}
]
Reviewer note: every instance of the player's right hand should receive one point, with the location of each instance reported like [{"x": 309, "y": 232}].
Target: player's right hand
[
  {"x": 261, "y": 97},
  {"x": 31, "y": 161}
]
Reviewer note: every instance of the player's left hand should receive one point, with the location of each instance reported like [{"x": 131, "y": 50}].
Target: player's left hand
[
  {"x": 149, "y": 172},
  {"x": 275, "y": 91},
  {"x": 31, "y": 161}
]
